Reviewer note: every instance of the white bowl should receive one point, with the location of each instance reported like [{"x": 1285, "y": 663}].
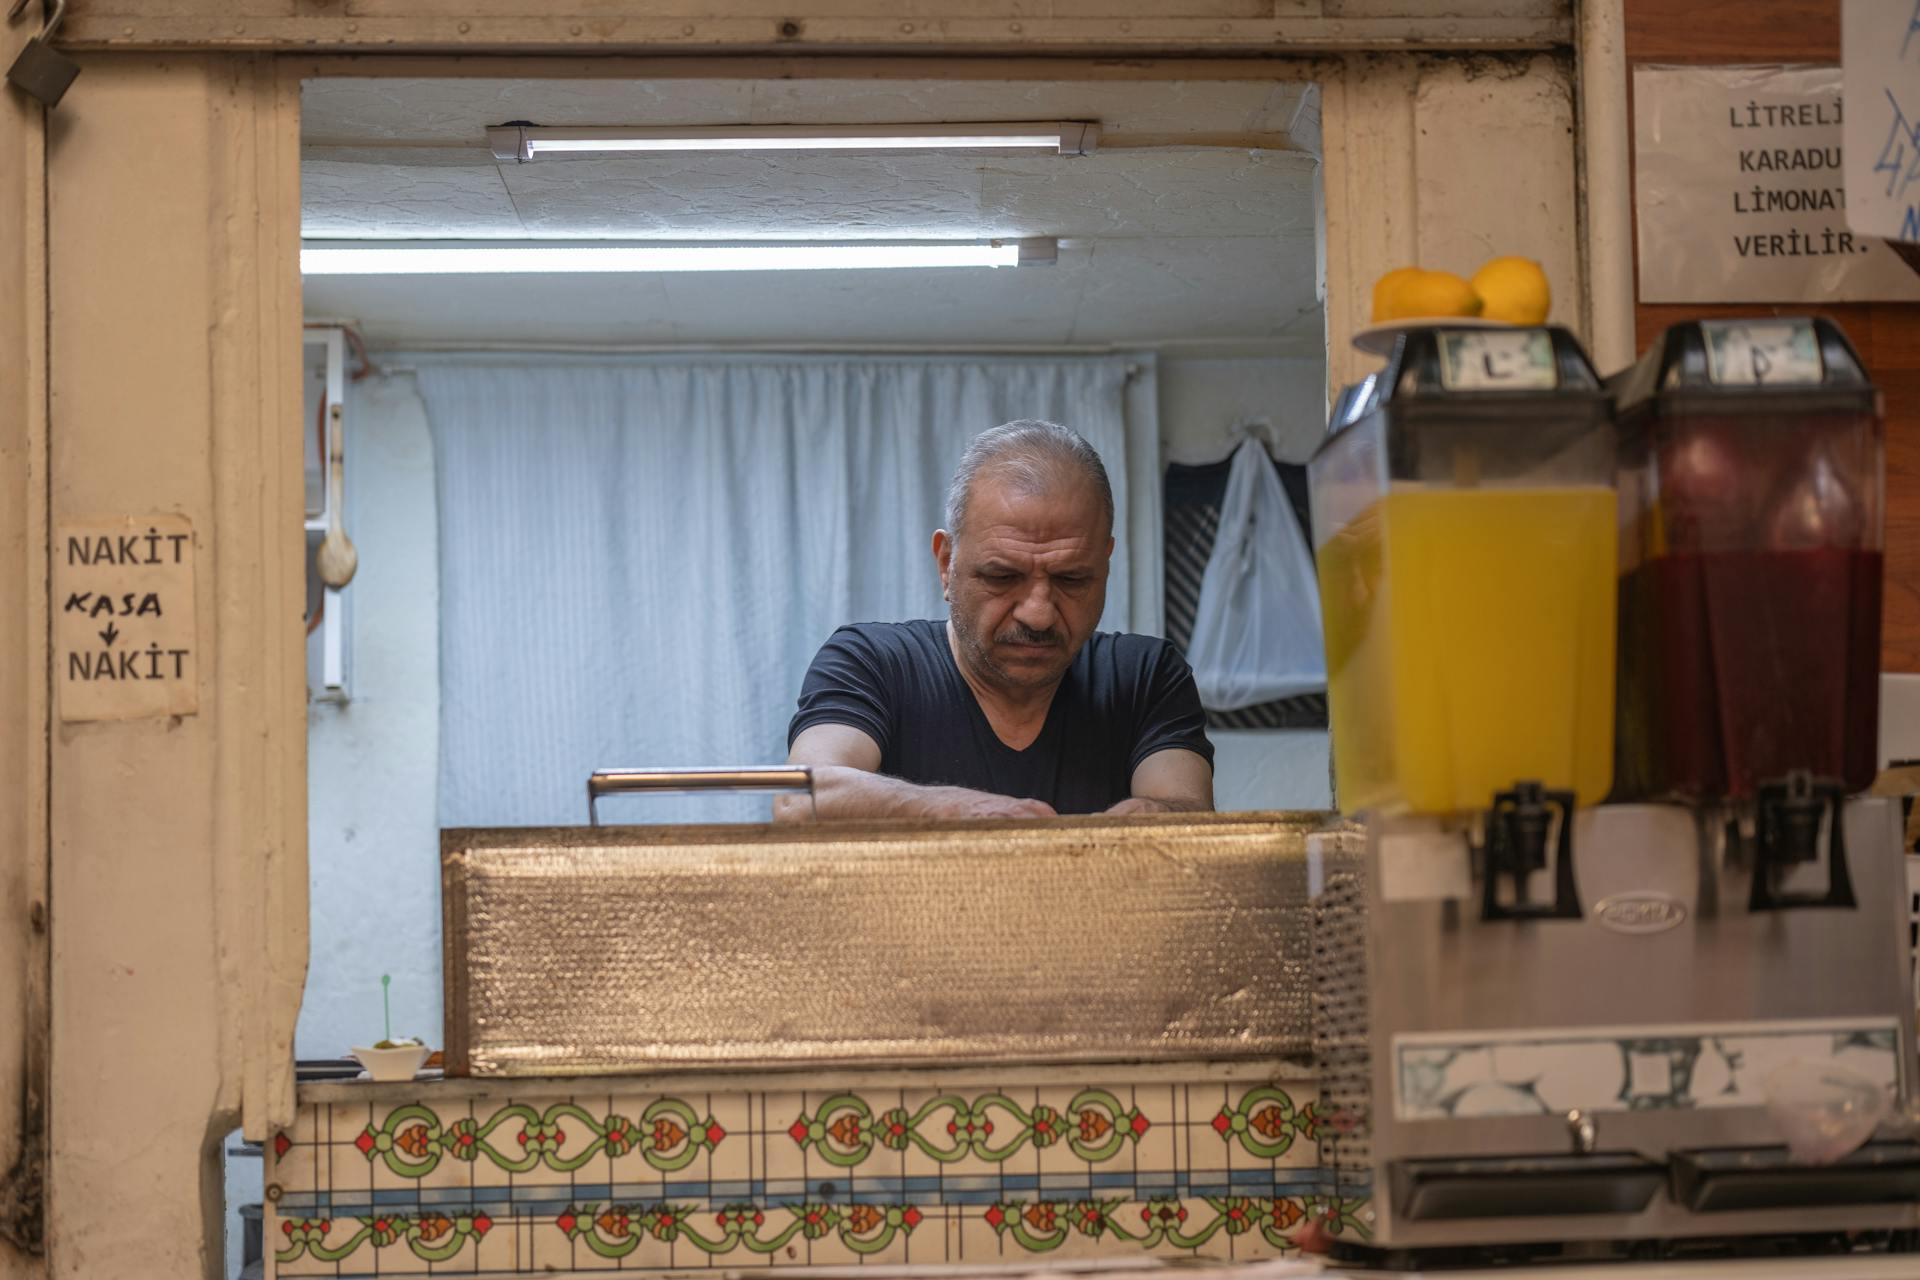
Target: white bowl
[
  {"x": 1378, "y": 339},
  {"x": 392, "y": 1064}
]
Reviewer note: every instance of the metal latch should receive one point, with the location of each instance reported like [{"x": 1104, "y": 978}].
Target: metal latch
[{"x": 42, "y": 71}]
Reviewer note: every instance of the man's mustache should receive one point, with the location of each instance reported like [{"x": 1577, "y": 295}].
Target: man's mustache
[{"x": 1020, "y": 633}]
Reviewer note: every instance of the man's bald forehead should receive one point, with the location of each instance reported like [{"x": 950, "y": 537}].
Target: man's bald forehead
[
  {"x": 1034, "y": 456},
  {"x": 1050, "y": 479}
]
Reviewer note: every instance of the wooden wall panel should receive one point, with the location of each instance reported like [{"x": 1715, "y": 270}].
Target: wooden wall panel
[
  {"x": 1887, "y": 334},
  {"x": 1733, "y": 30}
]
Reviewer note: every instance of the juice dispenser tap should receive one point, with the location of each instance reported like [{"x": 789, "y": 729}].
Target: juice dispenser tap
[
  {"x": 1523, "y": 825},
  {"x": 1465, "y": 524},
  {"x": 1789, "y": 817},
  {"x": 1751, "y": 479}
]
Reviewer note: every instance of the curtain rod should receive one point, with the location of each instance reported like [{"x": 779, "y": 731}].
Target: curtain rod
[{"x": 1225, "y": 350}]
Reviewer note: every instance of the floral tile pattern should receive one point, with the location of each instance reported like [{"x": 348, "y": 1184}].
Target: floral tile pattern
[{"x": 579, "y": 1181}]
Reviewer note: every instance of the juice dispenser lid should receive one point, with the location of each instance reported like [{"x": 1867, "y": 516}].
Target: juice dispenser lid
[
  {"x": 1783, "y": 364},
  {"x": 1486, "y": 372}
]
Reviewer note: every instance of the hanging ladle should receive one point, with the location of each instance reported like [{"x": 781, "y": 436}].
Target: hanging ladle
[{"x": 336, "y": 559}]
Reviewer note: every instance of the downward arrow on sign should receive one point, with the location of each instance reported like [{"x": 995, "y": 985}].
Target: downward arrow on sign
[{"x": 111, "y": 634}]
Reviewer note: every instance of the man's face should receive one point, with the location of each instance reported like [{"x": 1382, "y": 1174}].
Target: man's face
[{"x": 1027, "y": 579}]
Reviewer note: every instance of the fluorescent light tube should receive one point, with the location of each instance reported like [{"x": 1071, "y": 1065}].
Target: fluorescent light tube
[
  {"x": 537, "y": 146},
  {"x": 468, "y": 257},
  {"x": 528, "y": 142}
]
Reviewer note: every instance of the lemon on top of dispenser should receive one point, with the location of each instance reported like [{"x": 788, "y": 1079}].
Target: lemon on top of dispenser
[
  {"x": 1506, "y": 290},
  {"x": 1411, "y": 293},
  {"x": 1513, "y": 289},
  {"x": 1386, "y": 292}
]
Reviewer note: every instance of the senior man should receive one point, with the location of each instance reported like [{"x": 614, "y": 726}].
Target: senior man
[{"x": 1014, "y": 707}]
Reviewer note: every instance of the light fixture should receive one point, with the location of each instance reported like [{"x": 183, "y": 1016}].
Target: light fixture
[
  {"x": 520, "y": 141},
  {"x": 481, "y": 257}
]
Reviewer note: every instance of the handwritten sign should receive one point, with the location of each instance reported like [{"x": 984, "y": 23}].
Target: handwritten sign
[
  {"x": 124, "y": 618},
  {"x": 1880, "y": 64},
  {"x": 1493, "y": 360},
  {"x": 1753, "y": 353},
  {"x": 1741, "y": 190}
]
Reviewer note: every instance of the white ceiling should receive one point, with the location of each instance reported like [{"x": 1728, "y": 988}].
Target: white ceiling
[{"x": 1164, "y": 243}]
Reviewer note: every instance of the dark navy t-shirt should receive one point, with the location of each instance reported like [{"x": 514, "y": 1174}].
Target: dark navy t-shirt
[{"x": 1124, "y": 698}]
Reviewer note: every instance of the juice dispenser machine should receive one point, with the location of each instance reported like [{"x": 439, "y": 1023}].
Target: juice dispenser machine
[
  {"x": 1751, "y": 463},
  {"x": 1465, "y": 532},
  {"x": 1551, "y": 1026}
]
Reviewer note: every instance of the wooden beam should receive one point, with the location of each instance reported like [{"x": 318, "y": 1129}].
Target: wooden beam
[{"x": 442, "y": 26}]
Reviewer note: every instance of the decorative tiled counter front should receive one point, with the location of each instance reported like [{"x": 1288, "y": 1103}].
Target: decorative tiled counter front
[{"x": 500, "y": 1178}]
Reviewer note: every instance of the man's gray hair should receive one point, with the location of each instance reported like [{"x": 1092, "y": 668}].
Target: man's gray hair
[{"x": 1032, "y": 454}]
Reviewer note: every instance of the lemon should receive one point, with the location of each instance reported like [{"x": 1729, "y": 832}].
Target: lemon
[
  {"x": 1434, "y": 294},
  {"x": 1514, "y": 290},
  {"x": 1386, "y": 291}
]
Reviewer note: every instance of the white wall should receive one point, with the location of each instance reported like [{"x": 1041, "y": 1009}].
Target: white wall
[
  {"x": 1202, "y": 402},
  {"x": 1271, "y": 769},
  {"x": 373, "y": 834}
]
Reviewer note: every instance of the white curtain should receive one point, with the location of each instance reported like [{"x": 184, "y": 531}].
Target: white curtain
[{"x": 639, "y": 556}]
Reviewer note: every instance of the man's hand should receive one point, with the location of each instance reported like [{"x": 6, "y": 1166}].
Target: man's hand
[
  {"x": 846, "y": 784},
  {"x": 841, "y": 791},
  {"x": 982, "y": 804},
  {"x": 1140, "y": 804}
]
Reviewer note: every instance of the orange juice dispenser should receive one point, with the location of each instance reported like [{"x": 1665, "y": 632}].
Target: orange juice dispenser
[
  {"x": 1751, "y": 477},
  {"x": 1465, "y": 526}
]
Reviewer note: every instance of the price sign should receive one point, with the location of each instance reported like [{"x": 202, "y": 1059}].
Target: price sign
[
  {"x": 1497, "y": 360},
  {"x": 1743, "y": 353},
  {"x": 1744, "y": 191},
  {"x": 124, "y": 628}
]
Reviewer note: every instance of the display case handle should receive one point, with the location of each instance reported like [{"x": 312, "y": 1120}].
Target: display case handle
[{"x": 761, "y": 778}]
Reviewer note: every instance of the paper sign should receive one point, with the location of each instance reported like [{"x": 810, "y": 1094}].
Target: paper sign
[
  {"x": 1740, "y": 190},
  {"x": 1490, "y": 360},
  {"x": 124, "y": 618},
  {"x": 1880, "y": 63},
  {"x": 1748, "y": 353}
]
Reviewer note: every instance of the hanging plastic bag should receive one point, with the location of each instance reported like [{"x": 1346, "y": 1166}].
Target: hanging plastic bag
[{"x": 1256, "y": 629}]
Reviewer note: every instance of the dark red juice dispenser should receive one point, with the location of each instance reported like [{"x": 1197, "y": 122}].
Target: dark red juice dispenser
[{"x": 1751, "y": 512}]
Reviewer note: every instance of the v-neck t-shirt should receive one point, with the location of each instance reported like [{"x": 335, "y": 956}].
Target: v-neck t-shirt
[{"x": 1124, "y": 698}]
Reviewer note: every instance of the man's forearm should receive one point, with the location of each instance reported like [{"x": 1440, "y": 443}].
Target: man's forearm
[{"x": 841, "y": 792}]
